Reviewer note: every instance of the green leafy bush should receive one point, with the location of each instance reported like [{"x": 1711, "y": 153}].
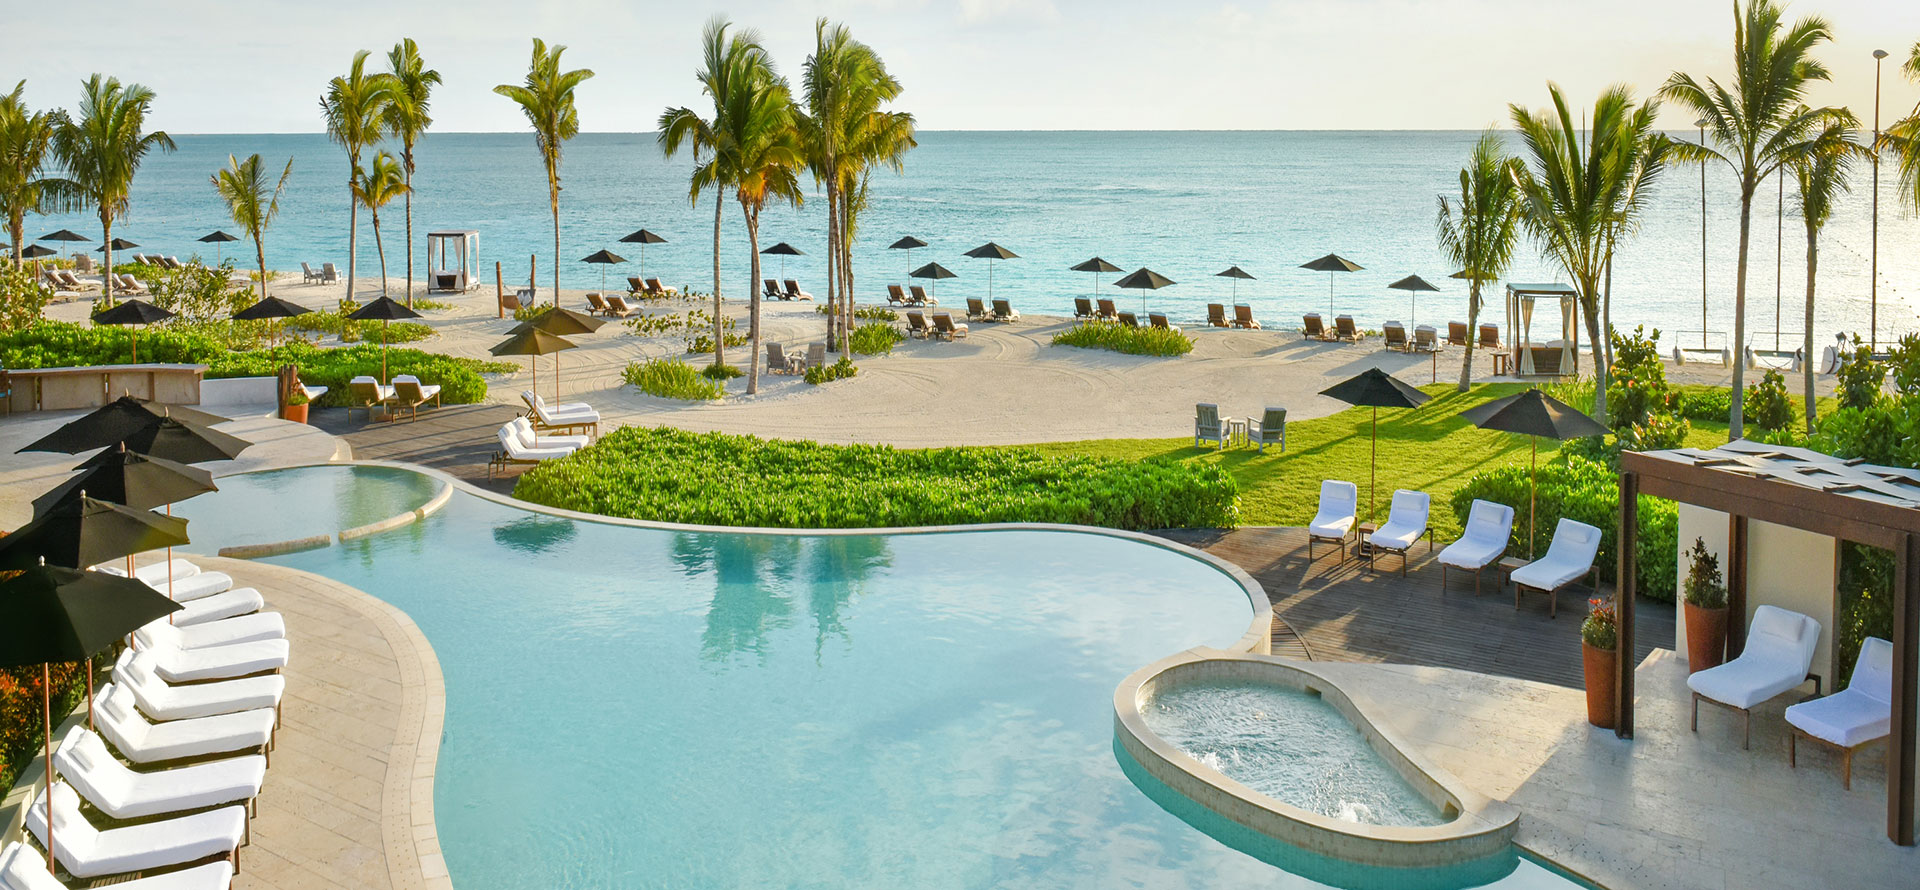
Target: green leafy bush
[
  {"x": 717, "y": 371},
  {"x": 1859, "y": 378},
  {"x": 351, "y": 331},
  {"x": 865, "y": 313},
  {"x": 875, "y": 338},
  {"x": 718, "y": 479},
  {"x": 22, "y": 297},
  {"x": 671, "y": 379},
  {"x": 198, "y": 292},
  {"x": 1130, "y": 340},
  {"x": 1767, "y": 405},
  {"x": 1709, "y": 403},
  {"x": 839, "y": 370},
  {"x": 702, "y": 344},
  {"x": 424, "y": 304},
  {"x": 1704, "y": 587},
  {"x": 1636, "y": 381},
  {"x": 1584, "y": 491}
]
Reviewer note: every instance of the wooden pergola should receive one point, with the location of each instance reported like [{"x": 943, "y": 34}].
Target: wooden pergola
[{"x": 1813, "y": 492}]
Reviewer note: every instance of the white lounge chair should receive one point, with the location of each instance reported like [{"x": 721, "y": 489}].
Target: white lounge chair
[
  {"x": 22, "y": 868},
  {"x": 155, "y": 573},
  {"x": 1482, "y": 542},
  {"x": 1569, "y": 558},
  {"x": 141, "y": 741},
  {"x": 529, "y": 438},
  {"x": 219, "y": 607},
  {"x": 366, "y": 392},
  {"x": 89, "y": 852},
  {"x": 567, "y": 416},
  {"x": 1778, "y": 653},
  {"x": 176, "y": 664},
  {"x": 1333, "y": 524},
  {"x": 1852, "y": 718},
  {"x": 1406, "y": 524},
  {"x": 1207, "y": 425},
  {"x": 85, "y": 763},
  {"x": 226, "y": 632},
  {"x": 515, "y": 450},
  {"x": 158, "y": 699}
]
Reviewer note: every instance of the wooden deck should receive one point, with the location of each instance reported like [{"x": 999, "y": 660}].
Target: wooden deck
[
  {"x": 1343, "y": 612},
  {"x": 455, "y": 439}
]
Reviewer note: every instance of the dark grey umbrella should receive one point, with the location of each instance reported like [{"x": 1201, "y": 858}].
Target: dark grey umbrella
[
  {"x": 1536, "y": 415},
  {"x": 642, "y": 238},
  {"x": 112, "y": 423},
  {"x": 132, "y": 480},
  {"x": 1413, "y": 285},
  {"x": 1143, "y": 280},
  {"x": 82, "y": 531},
  {"x": 1098, "y": 267},
  {"x": 116, "y": 244},
  {"x": 64, "y": 235},
  {"x": 132, "y": 312},
  {"x": 1376, "y": 389},
  {"x": 991, "y": 252},
  {"x": 36, "y": 251},
  {"x": 783, "y": 250},
  {"x": 217, "y": 238},
  {"x": 533, "y": 342},
  {"x": 1238, "y": 275},
  {"x": 560, "y": 322},
  {"x": 384, "y": 309},
  {"x": 603, "y": 259},
  {"x": 270, "y": 308},
  {"x": 1332, "y": 262},
  {"x": 933, "y": 272},
  {"x": 909, "y": 244}
]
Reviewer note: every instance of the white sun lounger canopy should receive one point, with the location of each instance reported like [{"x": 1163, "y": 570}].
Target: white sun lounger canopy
[{"x": 453, "y": 261}]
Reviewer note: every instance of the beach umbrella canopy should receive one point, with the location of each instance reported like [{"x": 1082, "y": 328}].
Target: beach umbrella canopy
[
  {"x": 270, "y": 308},
  {"x": 132, "y": 312},
  {"x": 1143, "y": 280},
  {"x": 36, "y": 251},
  {"x": 643, "y": 238},
  {"x": 564, "y": 322},
  {"x": 116, "y": 244},
  {"x": 1413, "y": 285},
  {"x": 909, "y": 244},
  {"x": 110, "y": 423},
  {"x": 132, "y": 480},
  {"x": 1536, "y": 415},
  {"x": 64, "y": 235},
  {"x": 603, "y": 259},
  {"x": 130, "y": 423},
  {"x": 933, "y": 272},
  {"x": 1238, "y": 275},
  {"x": 991, "y": 252},
  {"x": 81, "y": 531},
  {"x": 1376, "y": 389},
  {"x": 783, "y": 250},
  {"x": 1097, "y": 266},
  {"x": 184, "y": 442},
  {"x": 385, "y": 309},
  {"x": 532, "y": 342},
  {"x": 1331, "y": 263},
  {"x": 217, "y": 238}
]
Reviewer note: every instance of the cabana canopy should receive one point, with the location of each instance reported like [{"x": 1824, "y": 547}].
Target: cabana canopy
[
  {"x": 453, "y": 261},
  {"x": 1555, "y": 357}
]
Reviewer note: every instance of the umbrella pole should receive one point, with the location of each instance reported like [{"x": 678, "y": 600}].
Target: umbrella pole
[
  {"x": 46, "y": 716},
  {"x": 383, "y": 352},
  {"x": 1533, "y": 488},
  {"x": 1373, "y": 464}
]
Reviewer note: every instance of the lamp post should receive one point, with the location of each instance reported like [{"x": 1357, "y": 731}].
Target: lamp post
[
  {"x": 1702, "y": 124},
  {"x": 1873, "y": 265}
]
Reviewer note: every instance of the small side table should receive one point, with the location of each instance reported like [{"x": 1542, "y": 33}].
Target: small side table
[
  {"x": 1236, "y": 430},
  {"x": 1360, "y": 546},
  {"x": 1500, "y": 363},
  {"x": 1507, "y": 565}
]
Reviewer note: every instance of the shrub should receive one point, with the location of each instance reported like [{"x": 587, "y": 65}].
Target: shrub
[
  {"x": 22, "y": 297},
  {"x": 351, "y": 331},
  {"x": 865, "y": 313},
  {"x": 1704, "y": 587},
  {"x": 1636, "y": 381},
  {"x": 198, "y": 292},
  {"x": 717, "y": 371},
  {"x": 1601, "y": 629},
  {"x": 1709, "y": 403},
  {"x": 839, "y": 370},
  {"x": 703, "y": 343},
  {"x": 671, "y": 475},
  {"x": 424, "y": 304},
  {"x": 1767, "y": 405},
  {"x": 644, "y": 325},
  {"x": 1120, "y": 338},
  {"x": 1859, "y": 378},
  {"x": 671, "y": 379},
  {"x": 1659, "y": 432},
  {"x": 875, "y": 338},
  {"x": 21, "y": 735},
  {"x": 1885, "y": 432}
]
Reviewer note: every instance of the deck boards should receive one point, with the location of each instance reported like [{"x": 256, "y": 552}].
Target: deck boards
[{"x": 455, "y": 439}]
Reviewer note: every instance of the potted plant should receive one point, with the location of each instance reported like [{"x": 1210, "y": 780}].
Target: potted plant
[
  {"x": 1706, "y": 609},
  {"x": 1600, "y": 657},
  {"x": 296, "y": 407}
]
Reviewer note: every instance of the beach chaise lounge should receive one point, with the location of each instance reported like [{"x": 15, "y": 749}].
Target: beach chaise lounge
[
  {"x": 409, "y": 394},
  {"x": 1217, "y": 316},
  {"x": 89, "y": 852},
  {"x": 1489, "y": 336},
  {"x": 1312, "y": 328},
  {"x": 23, "y": 868},
  {"x": 636, "y": 287},
  {"x": 656, "y": 289},
  {"x": 1406, "y": 524},
  {"x": 177, "y": 569},
  {"x": 220, "y": 606},
  {"x": 1127, "y": 319},
  {"x": 566, "y": 417},
  {"x": 779, "y": 362},
  {"x": 596, "y": 304},
  {"x": 896, "y": 295},
  {"x": 329, "y": 274},
  {"x": 141, "y": 741},
  {"x": 617, "y": 306},
  {"x": 157, "y": 699},
  {"x": 51, "y": 278},
  {"x": 515, "y": 449},
  {"x": 1107, "y": 311},
  {"x": 1346, "y": 331},
  {"x": 943, "y": 326},
  {"x": 1243, "y": 317},
  {"x": 1852, "y": 718},
  {"x": 1003, "y": 311},
  {"x": 1456, "y": 333},
  {"x": 213, "y": 634},
  {"x": 1333, "y": 523},
  {"x": 917, "y": 326},
  {"x": 1207, "y": 425},
  {"x": 1159, "y": 320},
  {"x": 103, "y": 781},
  {"x": 770, "y": 289},
  {"x": 307, "y": 275},
  {"x": 172, "y": 263},
  {"x": 1481, "y": 543},
  {"x": 920, "y": 297},
  {"x": 1271, "y": 429},
  {"x": 1395, "y": 335},
  {"x": 177, "y": 665},
  {"x": 1569, "y": 558},
  {"x": 816, "y": 355},
  {"x": 794, "y": 292},
  {"x": 1777, "y": 656},
  {"x": 1082, "y": 308},
  {"x": 365, "y": 393},
  {"x": 129, "y": 284},
  {"x": 977, "y": 310},
  {"x": 1426, "y": 339},
  {"x": 73, "y": 281},
  {"x": 528, "y": 437},
  {"x": 193, "y": 587}
]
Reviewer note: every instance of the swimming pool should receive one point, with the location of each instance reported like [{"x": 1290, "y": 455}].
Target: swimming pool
[
  {"x": 303, "y": 503},
  {"x": 633, "y": 707}
]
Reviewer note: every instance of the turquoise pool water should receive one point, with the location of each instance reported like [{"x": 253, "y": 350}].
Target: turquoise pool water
[
  {"x": 641, "y": 708},
  {"x": 299, "y": 504}
]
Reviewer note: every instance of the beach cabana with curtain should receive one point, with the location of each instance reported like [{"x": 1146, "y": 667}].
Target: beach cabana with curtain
[
  {"x": 1542, "y": 344},
  {"x": 453, "y": 261}
]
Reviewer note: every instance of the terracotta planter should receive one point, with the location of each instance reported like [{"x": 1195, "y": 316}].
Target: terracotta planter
[
  {"x": 1602, "y": 690},
  {"x": 295, "y": 413},
  {"x": 1706, "y": 637}
]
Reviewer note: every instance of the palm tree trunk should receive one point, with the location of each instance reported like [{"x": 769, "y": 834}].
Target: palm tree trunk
[
  {"x": 1735, "y": 428},
  {"x": 753, "y": 303},
  {"x": 845, "y": 258},
  {"x": 406, "y": 153},
  {"x": 553, "y": 199},
  {"x": 106, "y": 238},
  {"x": 1591, "y": 309},
  {"x": 1606, "y": 314},
  {"x": 353, "y": 221},
  {"x": 833, "y": 267},
  {"x": 719, "y": 332},
  {"x": 380, "y": 248},
  {"x": 1473, "y": 333},
  {"x": 1806, "y": 347},
  {"x": 260, "y": 254},
  {"x": 16, "y": 227}
]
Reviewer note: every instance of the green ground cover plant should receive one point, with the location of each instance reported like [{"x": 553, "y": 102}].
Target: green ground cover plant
[
  {"x": 671, "y": 379},
  {"x": 1120, "y": 338}
]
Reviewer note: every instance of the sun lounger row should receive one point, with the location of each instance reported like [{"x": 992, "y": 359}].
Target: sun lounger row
[
  {"x": 1002, "y": 311},
  {"x": 544, "y": 433},
  {"x": 609, "y": 305},
  {"x": 914, "y": 295},
  {"x": 943, "y": 327},
  {"x": 650, "y": 287},
  {"x": 406, "y": 394},
  {"x": 771, "y": 290}
]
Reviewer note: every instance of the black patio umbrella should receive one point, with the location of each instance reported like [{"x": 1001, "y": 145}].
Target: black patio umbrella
[
  {"x": 1332, "y": 262},
  {"x": 1413, "y": 285},
  {"x": 532, "y": 343},
  {"x": 603, "y": 259},
  {"x": 131, "y": 479},
  {"x": 116, "y": 244},
  {"x": 270, "y": 308},
  {"x": 110, "y": 423},
  {"x": 129, "y": 312},
  {"x": 909, "y": 244},
  {"x": 53, "y": 613},
  {"x": 82, "y": 531},
  {"x": 37, "y": 251},
  {"x": 932, "y": 272},
  {"x": 217, "y": 238},
  {"x": 1238, "y": 275},
  {"x": 183, "y": 442},
  {"x": 1536, "y": 415},
  {"x": 1097, "y": 266},
  {"x": 783, "y": 250},
  {"x": 991, "y": 252},
  {"x": 1143, "y": 280},
  {"x": 385, "y": 309},
  {"x": 1376, "y": 389},
  {"x": 64, "y": 235},
  {"x": 642, "y": 238},
  {"x": 563, "y": 323}
]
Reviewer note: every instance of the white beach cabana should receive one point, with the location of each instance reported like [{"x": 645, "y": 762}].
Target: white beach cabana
[
  {"x": 453, "y": 261},
  {"x": 1554, "y": 357}
]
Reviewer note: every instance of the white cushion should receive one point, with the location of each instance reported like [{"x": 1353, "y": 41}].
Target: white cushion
[
  {"x": 1489, "y": 527},
  {"x": 1406, "y": 521},
  {"x": 121, "y": 793},
  {"x": 160, "y": 700},
  {"x": 142, "y": 741},
  {"x": 194, "y": 587},
  {"x": 176, "y": 665},
  {"x": 22, "y": 868},
  {"x": 228, "y": 604},
  {"x": 1570, "y": 556},
  {"x": 1859, "y": 713},
  {"x": 225, "y": 632},
  {"x": 1336, "y": 515},
  {"x": 1778, "y": 653},
  {"x": 89, "y": 852}
]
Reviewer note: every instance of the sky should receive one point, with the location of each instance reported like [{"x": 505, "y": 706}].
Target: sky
[{"x": 259, "y": 66}]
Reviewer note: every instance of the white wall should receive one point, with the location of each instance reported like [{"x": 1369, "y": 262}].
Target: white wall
[
  {"x": 1786, "y": 567},
  {"x": 253, "y": 393},
  {"x": 1709, "y": 526}
]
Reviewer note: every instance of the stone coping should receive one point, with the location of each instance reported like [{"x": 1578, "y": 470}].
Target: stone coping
[
  {"x": 315, "y": 542},
  {"x": 1479, "y": 828}
]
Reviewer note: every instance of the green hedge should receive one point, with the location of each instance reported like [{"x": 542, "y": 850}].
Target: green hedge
[
  {"x": 1130, "y": 340},
  {"x": 718, "y": 479},
  {"x": 1585, "y": 491}
]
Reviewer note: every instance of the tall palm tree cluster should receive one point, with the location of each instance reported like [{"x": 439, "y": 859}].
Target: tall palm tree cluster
[
  {"x": 759, "y": 139},
  {"x": 361, "y": 109}
]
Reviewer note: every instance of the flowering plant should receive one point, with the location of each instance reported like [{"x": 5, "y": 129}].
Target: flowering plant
[{"x": 1601, "y": 630}]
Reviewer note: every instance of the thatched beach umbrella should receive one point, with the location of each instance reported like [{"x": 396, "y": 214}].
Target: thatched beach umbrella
[
  {"x": 909, "y": 244},
  {"x": 385, "y": 309},
  {"x": 642, "y": 238},
  {"x": 1375, "y": 389},
  {"x": 991, "y": 252},
  {"x": 1332, "y": 262},
  {"x": 532, "y": 343},
  {"x": 783, "y": 250},
  {"x": 129, "y": 313},
  {"x": 217, "y": 238},
  {"x": 1097, "y": 266},
  {"x": 1536, "y": 415},
  {"x": 603, "y": 259},
  {"x": 933, "y": 272},
  {"x": 1413, "y": 285},
  {"x": 1238, "y": 275},
  {"x": 1143, "y": 280}
]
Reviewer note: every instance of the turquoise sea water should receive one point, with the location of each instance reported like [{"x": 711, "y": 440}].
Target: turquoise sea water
[
  {"x": 646, "y": 708},
  {"x": 1186, "y": 204}
]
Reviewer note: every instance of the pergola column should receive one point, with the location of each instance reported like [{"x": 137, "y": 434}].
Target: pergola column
[
  {"x": 1736, "y": 586},
  {"x": 1906, "y": 677},
  {"x": 1628, "y": 542}
]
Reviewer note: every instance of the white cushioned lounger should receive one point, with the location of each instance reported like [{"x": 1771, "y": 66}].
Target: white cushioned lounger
[
  {"x": 1334, "y": 521},
  {"x": 23, "y": 868},
  {"x": 177, "y": 665},
  {"x": 1406, "y": 524},
  {"x": 1778, "y": 653},
  {"x": 89, "y": 852},
  {"x": 220, "y": 606},
  {"x": 155, "y": 573},
  {"x": 195, "y": 587},
  {"x": 225, "y": 632},
  {"x": 162, "y": 701},
  {"x": 140, "y": 741},
  {"x": 1569, "y": 557},
  {"x": 1856, "y": 716},
  {"x": 1489, "y": 528},
  {"x": 121, "y": 793}
]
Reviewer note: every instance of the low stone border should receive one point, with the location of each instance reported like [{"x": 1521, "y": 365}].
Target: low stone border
[
  {"x": 255, "y": 551},
  {"x": 315, "y": 542}
]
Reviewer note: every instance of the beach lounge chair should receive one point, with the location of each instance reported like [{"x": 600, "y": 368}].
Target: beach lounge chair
[
  {"x": 1082, "y": 308},
  {"x": 816, "y": 355},
  {"x": 1128, "y": 320},
  {"x": 779, "y": 362},
  {"x": 1852, "y": 718},
  {"x": 1270, "y": 429},
  {"x": 307, "y": 275},
  {"x": 139, "y": 740},
  {"x": 565, "y": 417},
  {"x": 1481, "y": 543},
  {"x": 920, "y": 297},
  {"x": 365, "y": 393},
  {"x": 617, "y": 306},
  {"x": 23, "y": 868},
  {"x": 219, "y": 607},
  {"x": 215, "y": 634},
  {"x": 1217, "y": 316},
  {"x": 329, "y": 274},
  {"x": 1107, "y": 311},
  {"x": 89, "y": 852},
  {"x": 514, "y": 450},
  {"x": 1569, "y": 558},
  {"x": 1778, "y": 653},
  {"x": 1456, "y": 333},
  {"x": 171, "y": 263},
  {"x": 129, "y": 284},
  {"x": 73, "y": 281},
  {"x": 1004, "y": 311},
  {"x": 770, "y": 289},
  {"x": 1243, "y": 317},
  {"x": 523, "y": 431},
  {"x": 179, "y": 665},
  {"x": 635, "y": 287},
  {"x": 156, "y": 698},
  {"x": 188, "y": 584},
  {"x": 1159, "y": 320},
  {"x": 917, "y": 326},
  {"x": 896, "y": 295},
  {"x": 596, "y": 304},
  {"x": 1346, "y": 331},
  {"x": 656, "y": 289},
  {"x": 1426, "y": 339},
  {"x": 120, "y": 793},
  {"x": 1312, "y": 328},
  {"x": 409, "y": 394},
  {"x": 83, "y": 264},
  {"x": 794, "y": 292},
  {"x": 51, "y": 278},
  {"x": 1333, "y": 523},
  {"x": 1395, "y": 336},
  {"x": 156, "y": 572},
  {"x": 977, "y": 310},
  {"x": 1489, "y": 336},
  {"x": 1207, "y": 425},
  {"x": 943, "y": 326},
  {"x": 1406, "y": 524}
]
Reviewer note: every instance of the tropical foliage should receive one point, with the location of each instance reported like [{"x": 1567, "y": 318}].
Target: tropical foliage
[
  {"x": 26, "y": 148},
  {"x": 840, "y": 370},
  {"x": 1479, "y": 232},
  {"x": 547, "y": 100},
  {"x": 21, "y": 720},
  {"x": 252, "y": 202},
  {"x": 353, "y": 107},
  {"x": 1821, "y": 177},
  {"x": 671, "y": 379},
  {"x": 683, "y": 128},
  {"x": 875, "y": 338},
  {"x": 1124, "y": 338},
  {"x": 104, "y": 147}
]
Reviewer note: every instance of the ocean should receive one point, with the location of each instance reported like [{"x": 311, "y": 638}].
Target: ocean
[{"x": 1185, "y": 204}]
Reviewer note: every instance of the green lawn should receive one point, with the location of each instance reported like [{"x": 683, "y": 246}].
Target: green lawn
[{"x": 1429, "y": 448}]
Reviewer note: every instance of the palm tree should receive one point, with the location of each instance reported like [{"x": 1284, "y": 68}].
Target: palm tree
[
  {"x": 408, "y": 115},
  {"x": 378, "y": 185},
  {"x": 354, "y": 108},
  {"x": 1479, "y": 237},
  {"x": 1903, "y": 138},
  {"x": 252, "y": 202},
  {"x": 682, "y": 127},
  {"x": 547, "y": 100},
  {"x": 104, "y": 148},
  {"x": 1821, "y": 175},
  {"x": 757, "y": 128},
  {"x": 1760, "y": 124},
  {"x": 1575, "y": 198},
  {"x": 26, "y": 145}
]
